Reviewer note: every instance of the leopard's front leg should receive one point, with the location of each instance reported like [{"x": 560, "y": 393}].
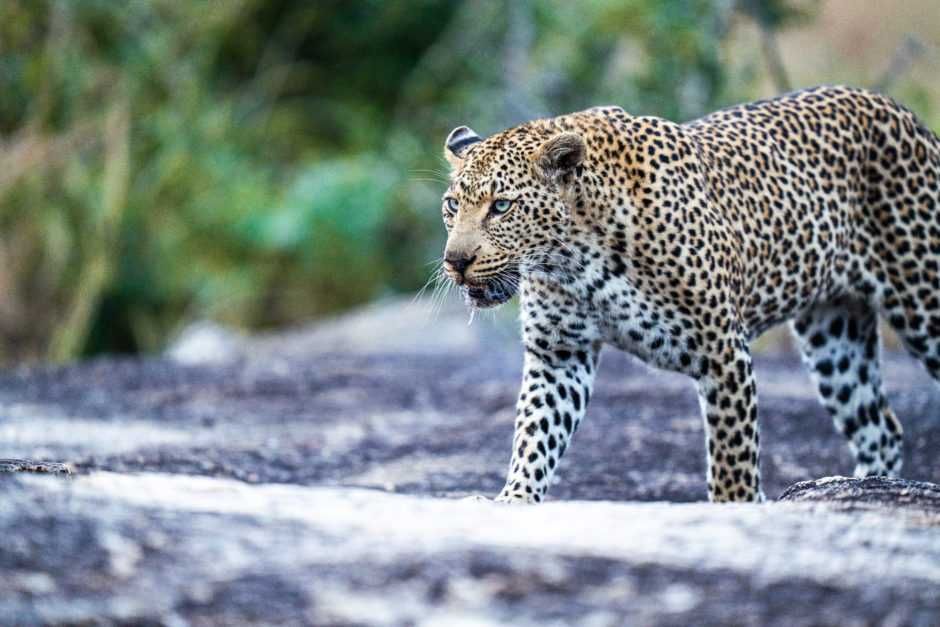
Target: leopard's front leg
[
  {"x": 729, "y": 406},
  {"x": 556, "y": 386}
]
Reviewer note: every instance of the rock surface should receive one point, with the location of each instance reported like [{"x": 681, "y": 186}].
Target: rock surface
[
  {"x": 25, "y": 465},
  {"x": 912, "y": 499},
  {"x": 314, "y": 477}
]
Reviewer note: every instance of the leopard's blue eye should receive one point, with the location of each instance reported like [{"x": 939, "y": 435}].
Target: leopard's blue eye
[
  {"x": 501, "y": 206},
  {"x": 451, "y": 205}
]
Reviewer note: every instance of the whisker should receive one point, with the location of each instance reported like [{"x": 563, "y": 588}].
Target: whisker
[
  {"x": 436, "y": 176},
  {"x": 435, "y": 301}
]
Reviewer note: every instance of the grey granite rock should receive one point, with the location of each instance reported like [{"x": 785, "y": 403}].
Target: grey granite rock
[
  {"x": 294, "y": 482},
  {"x": 897, "y": 497},
  {"x": 26, "y": 465}
]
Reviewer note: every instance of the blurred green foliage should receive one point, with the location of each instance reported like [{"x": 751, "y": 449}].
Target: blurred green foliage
[{"x": 259, "y": 162}]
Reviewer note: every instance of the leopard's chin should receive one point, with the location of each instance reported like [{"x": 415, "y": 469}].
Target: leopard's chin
[{"x": 491, "y": 292}]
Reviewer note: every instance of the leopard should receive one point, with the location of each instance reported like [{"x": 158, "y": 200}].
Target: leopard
[{"x": 682, "y": 243}]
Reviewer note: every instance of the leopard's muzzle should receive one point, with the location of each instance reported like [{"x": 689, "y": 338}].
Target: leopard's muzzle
[{"x": 490, "y": 292}]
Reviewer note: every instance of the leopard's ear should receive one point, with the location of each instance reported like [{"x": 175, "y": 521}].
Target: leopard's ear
[
  {"x": 459, "y": 140},
  {"x": 559, "y": 159}
]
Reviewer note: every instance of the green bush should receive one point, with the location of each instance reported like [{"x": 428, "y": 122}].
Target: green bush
[{"x": 259, "y": 162}]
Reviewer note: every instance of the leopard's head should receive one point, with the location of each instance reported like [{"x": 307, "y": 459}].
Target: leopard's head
[{"x": 508, "y": 205}]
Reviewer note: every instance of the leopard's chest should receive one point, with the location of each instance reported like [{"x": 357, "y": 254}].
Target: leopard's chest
[{"x": 594, "y": 307}]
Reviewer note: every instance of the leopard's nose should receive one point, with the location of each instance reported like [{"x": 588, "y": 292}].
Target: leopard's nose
[{"x": 458, "y": 262}]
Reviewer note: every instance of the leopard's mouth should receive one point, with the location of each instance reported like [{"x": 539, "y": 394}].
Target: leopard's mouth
[{"x": 491, "y": 292}]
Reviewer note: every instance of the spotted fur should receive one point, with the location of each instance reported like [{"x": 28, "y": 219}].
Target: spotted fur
[{"x": 681, "y": 243}]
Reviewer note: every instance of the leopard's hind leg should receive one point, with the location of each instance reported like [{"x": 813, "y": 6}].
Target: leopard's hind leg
[
  {"x": 917, "y": 326},
  {"x": 841, "y": 348}
]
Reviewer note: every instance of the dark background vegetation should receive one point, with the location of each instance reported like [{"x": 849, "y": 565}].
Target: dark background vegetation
[{"x": 260, "y": 162}]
